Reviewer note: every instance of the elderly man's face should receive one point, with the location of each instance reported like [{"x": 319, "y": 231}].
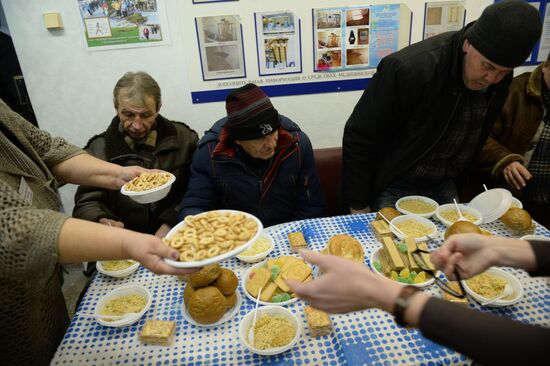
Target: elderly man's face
[
  {"x": 479, "y": 72},
  {"x": 137, "y": 118},
  {"x": 260, "y": 148}
]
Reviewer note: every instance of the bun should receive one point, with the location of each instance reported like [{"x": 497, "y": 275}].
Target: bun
[
  {"x": 231, "y": 300},
  {"x": 226, "y": 282},
  {"x": 205, "y": 276},
  {"x": 187, "y": 293},
  {"x": 518, "y": 221},
  {"x": 388, "y": 212},
  {"x": 347, "y": 247},
  {"x": 207, "y": 305},
  {"x": 462, "y": 227}
]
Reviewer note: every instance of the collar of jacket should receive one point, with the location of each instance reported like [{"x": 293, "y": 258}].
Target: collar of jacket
[
  {"x": 114, "y": 140},
  {"x": 224, "y": 147},
  {"x": 534, "y": 85}
]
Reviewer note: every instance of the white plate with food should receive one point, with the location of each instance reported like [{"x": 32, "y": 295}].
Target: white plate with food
[
  {"x": 271, "y": 290},
  {"x": 258, "y": 250},
  {"x": 492, "y": 283},
  {"x": 118, "y": 268},
  {"x": 229, "y": 314},
  {"x": 279, "y": 324},
  {"x": 448, "y": 215},
  {"x": 131, "y": 299},
  {"x": 417, "y": 205},
  {"x": 149, "y": 187},
  {"x": 212, "y": 237},
  {"x": 401, "y": 278},
  {"x": 413, "y": 226}
]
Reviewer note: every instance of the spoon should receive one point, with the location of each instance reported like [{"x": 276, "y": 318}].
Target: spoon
[
  {"x": 460, "y": 216},
  {"x": 505, "y": 293},
  {"x": 110, "y": 317},
  {"x": 392, "y": 225},
  {"x": 251, "y": 330}
]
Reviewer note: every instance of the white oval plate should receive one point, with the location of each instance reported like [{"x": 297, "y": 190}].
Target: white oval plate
[
  {"x": 417, "y": 218},
  {"x": 260, "y": 256},
  {"x": 374, "y": 257},
  {"x": 517, "y": 289},
  {"x": 150, "y": 195},
  {"x": 220, "y": 257},
  {"x": 118, "y": 292},
  {"x": 118, "y": 274},
  {"x": 245, "y": 280},
  {"x": 228, "y": 314},
  {"x": 420, "y": 198}
]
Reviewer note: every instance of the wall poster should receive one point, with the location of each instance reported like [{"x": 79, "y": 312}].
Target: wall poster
[
  {"x": 441, "y": 17},
  {"x": 221, "y": 47},
  {"x": 122, "y": 23},
  {"x": 278, "y": 40}
]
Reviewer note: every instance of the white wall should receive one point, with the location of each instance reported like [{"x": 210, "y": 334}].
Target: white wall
[{"x": 71, "y": 88}]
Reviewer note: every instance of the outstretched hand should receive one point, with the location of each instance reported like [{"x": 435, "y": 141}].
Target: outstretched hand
[
  {"x": 344, "y": 286},
  {"x": 127, "y": 173}
]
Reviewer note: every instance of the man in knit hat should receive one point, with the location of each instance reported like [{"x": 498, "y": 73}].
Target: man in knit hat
[
  {"x": 429, "y": 108},
  {"x": 254, "y": 160}
]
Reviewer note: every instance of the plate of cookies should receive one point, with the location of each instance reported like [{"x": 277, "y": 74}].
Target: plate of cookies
[
  {"x": 149, "y": 187},
  {"x": 210, "y": 297},
  {"x": 270, "y": 276},
  {"x": 212, "y": 237}
]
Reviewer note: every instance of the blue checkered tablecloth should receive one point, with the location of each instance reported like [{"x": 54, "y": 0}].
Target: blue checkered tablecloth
[{"x": 369, "y": 337}]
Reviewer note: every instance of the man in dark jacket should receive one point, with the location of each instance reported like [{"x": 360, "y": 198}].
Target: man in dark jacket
[
  {"x": 139, "y": 135},
  {"x": 429, "y": 108},
  {"x": 257, "y": 161}
]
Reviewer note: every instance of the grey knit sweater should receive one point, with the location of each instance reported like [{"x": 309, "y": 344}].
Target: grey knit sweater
[{"x": 33, "y": 316}]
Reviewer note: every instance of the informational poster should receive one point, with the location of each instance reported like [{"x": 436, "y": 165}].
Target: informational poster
[
  {"x": 278, "y": 43},
  {"x": 122, "y": 23},
  {"x": 358, "y": 37},
  {"x": 443, "y": 17},
  {"x": 221, "y": 47},
  {"x": 544, "y": 47},
  {"x": 211, "y": 1}
]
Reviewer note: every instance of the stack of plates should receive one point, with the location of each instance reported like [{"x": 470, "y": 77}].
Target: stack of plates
[{"x": 492, "y": 204}]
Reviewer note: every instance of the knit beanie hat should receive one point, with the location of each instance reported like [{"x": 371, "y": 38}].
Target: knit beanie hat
[
  {"x": 506, "y": 32},
  {"x": 250, "y": 114}
]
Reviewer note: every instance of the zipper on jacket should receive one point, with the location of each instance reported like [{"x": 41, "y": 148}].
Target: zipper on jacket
[{"x": 436, "y": 141}]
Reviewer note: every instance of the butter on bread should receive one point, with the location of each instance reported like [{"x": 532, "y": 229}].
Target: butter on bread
[
  {"x": 318, "y": 321},
  {"x": 158, "y": 332},
  {"x": 297, "y": 241}
]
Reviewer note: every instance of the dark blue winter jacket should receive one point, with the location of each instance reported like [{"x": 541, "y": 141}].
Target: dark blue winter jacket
[{"x": 289, "y": 188}]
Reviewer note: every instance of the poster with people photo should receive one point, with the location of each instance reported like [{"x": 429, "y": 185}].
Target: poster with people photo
[
  {"x": 220, "y": 47},
  {"x": 278, "y": 39},
  {"x": 122, "y": 23}
]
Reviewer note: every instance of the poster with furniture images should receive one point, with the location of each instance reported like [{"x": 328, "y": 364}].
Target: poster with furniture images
[
  {"x": 221, "y": 47},
  {"x": 278, "y": 41},
  {"x": 358, "y": 37},
  {"x": 441, "y": 17},
  {"x": 122, "y": 23}
]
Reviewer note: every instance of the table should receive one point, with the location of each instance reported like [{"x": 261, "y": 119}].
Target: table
[{"x": 368, "y": 337}]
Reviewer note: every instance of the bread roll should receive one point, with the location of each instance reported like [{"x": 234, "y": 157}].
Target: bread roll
[
  {"x": 207, "y": 305},
  {"x": 462, "y": 227},
  {"x": 517, "y": 220},
  {"x": 388, "y": 212}
]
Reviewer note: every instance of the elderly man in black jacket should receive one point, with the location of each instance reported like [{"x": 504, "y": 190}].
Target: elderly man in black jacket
[
  {"x": 139, "y": 135},
  {"x": 429, "y": 108}
]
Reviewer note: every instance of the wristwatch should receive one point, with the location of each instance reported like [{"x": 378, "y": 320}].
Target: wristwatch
[{"x": 401, "y": 303}]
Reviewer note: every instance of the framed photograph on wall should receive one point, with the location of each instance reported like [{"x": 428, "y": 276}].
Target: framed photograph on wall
[
  {"x": 278, "y": 41},
  {"x": 220, "y": 47}
]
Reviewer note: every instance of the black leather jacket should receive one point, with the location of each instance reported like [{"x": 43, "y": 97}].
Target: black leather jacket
[
  {"x": 404, "y": 112},
  {"x": 176, "y": 143}
]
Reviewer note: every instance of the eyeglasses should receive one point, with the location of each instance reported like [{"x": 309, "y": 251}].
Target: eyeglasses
[{"x": 416, "y": 254}]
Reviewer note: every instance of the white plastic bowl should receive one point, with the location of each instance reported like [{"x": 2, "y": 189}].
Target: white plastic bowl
[
  {"x": 517, "y": 289},
  {"x": 230, "y": 313},
  {"x": 151, "y": 195},
  {"x": 375, "y": 257},
  {"x": 118, "y": 292},
  {"x": 221, "y": 257},
  {"x": 420, "y": 198},
  {"x": 516, "y": 203},
  {"x": 246, "y": 324},
  {"x": 492, "y": 204},
  {"x": 118, "y": 274},
  {"x": 260, "y": 256},
  {"x": 245, "y": 280},
  {"x": 422, "y": 220},
  {"x": 463, "y": 208},
  {"x": 535, "y": 237}
]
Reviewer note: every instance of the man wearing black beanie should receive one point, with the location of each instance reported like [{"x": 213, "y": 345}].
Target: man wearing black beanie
[{"x": 430, "y": 107}]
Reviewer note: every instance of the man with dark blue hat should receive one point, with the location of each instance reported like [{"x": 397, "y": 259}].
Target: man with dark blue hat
[{"x": 254, "y": 160}]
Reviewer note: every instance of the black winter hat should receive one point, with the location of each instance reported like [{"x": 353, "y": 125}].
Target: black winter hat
[{"x": 506, "y": 32}]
